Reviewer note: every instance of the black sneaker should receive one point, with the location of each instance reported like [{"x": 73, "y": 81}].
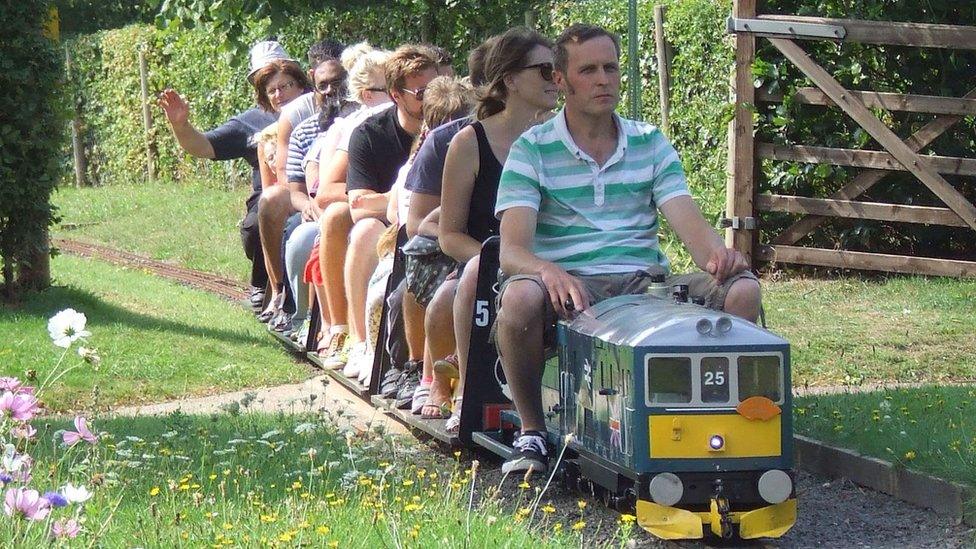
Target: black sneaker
[
  {"x": 404, "y": 397},
  {"x": 528, "y": 451},
  {"x": 395, "y": 378},
  {"x": 256, "y": 299}
]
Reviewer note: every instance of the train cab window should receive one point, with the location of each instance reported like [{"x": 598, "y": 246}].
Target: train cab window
[
  {"x": 760, "y": 376},
  {"x": 714, "y": 379},
  {"x": 669, "y": 380}
]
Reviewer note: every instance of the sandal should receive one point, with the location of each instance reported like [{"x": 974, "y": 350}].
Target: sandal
[
  {"x": 453, "y": 424},
  {"x": 447, "y": 367}
]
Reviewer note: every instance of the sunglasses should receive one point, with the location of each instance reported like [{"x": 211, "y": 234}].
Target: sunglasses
[
  {"x": 379, "y": 90},
  {"x": 545, "y": 70},
  {"x": 418, "y": 93}
]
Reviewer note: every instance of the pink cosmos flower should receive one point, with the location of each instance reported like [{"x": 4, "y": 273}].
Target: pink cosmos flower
[
  {"x": 26, "y": 503},
  {"x": 20, "y": 407},
  {"x": 9, "y": 384},
  {"x": 65, "y": 528},
  {"x": 74, "y": 437},
  {"x": 24, "y": 431}
]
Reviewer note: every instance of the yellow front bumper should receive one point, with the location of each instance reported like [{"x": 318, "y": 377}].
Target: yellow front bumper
[{"x": 672, "y": 523}]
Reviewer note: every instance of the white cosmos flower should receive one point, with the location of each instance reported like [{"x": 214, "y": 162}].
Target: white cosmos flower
[
  {"x": 67, "y": 327},
  {"x": 75, "y": 494}
]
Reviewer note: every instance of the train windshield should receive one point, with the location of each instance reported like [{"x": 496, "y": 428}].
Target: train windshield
[
  {"x": 669, "y": 380},
  {"x": 760, "y": 376}
]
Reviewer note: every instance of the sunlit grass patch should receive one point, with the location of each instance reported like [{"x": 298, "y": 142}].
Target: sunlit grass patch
[
  {"x": 276, "y": 480},
  {"x": 192, "y": 224},
  {"x": 158, "y": 340},
  {"x": 931, "y": 429}
]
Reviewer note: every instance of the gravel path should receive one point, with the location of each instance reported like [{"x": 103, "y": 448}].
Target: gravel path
[{"x": 832, "y": 514}]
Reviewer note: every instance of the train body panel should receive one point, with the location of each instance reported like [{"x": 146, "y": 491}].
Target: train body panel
[{"x": 647, "y": 387}]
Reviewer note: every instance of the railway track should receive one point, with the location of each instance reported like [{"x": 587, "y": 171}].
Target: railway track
[{"x": 226, "y": 288}]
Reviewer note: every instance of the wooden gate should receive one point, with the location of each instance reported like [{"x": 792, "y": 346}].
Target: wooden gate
[{"x": 899, "y": 154}]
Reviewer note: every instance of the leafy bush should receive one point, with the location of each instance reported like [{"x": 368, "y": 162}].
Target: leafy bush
[{"x": 31, "y": 135}]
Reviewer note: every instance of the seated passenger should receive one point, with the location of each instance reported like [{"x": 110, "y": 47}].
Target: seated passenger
[
  {"x": 235, "y": 139},
  {"x": 518, "y": 70},
  {"x": 578, "y": 202}
]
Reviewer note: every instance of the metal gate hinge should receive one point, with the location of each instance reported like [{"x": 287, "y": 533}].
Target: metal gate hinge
[
  {"x": 736, "y": 222},
  {"x": 795, "y": 29}
]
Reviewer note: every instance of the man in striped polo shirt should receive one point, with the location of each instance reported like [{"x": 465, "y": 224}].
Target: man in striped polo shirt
[{"x": 578, "y": 202}]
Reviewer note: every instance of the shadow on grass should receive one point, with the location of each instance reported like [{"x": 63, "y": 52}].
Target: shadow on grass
[{"x": 46, "y": 304}]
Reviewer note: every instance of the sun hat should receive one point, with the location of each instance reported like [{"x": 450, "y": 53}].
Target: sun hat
[{"x": 265, "y": 52}]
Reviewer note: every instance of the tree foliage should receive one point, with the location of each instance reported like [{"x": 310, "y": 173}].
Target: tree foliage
[{"x": 31, "y": 134}]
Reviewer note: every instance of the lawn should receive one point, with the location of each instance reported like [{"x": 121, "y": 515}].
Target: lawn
[
  {"x": 274, "y": 480},
  {"x": 192, "y": 224},
  {"x": 930, "y": 429},
  {"x": 158, "y": 340}
]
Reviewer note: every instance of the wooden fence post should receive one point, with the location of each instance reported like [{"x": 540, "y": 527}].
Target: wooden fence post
[
  {"x": 147, "y": 115},
  {"x": 741, "y": 190},
  {"x": 77, "y": 147},
  {"x": 531, "y": 20},
  {"x": 663, "y": 69}
]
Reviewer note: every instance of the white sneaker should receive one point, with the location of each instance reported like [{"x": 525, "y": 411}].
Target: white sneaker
[
  {"x": 366, "y": 367},
  {"x": 355, "y": 360}
]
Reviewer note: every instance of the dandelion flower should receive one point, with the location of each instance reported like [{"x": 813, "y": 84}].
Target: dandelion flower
[
  {"x": 548, "y": 509},
  {"x": 910, "y": 455},
  {"x": 154, "y": 491},
  {"x": 67, "y": 327},
  {"x": 627, "y": 519},
  {"x": 581, "y": 504},
  {"x": 323, "y": 530},
  {"x": 579, "y": 525}
]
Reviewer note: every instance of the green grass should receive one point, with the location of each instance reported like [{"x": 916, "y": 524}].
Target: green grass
[
  {"x": 851, "y": 330},
  {"x": 273, "y": 480},
  {"x": 192, "y": 224},
  {"x": 158, "y": 340},
  {"x": 931, "y": 429}
]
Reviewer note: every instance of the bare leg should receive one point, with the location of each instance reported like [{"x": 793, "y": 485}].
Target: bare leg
[
  {"x": 464, "y": 313},
  {"x": 413, "y": 328},
  {"x": 519, "y": 334},
  {"x": 336, "y": 224},
  {"x": 361, "y": 261},
  {"x": 439, "y": 321},
  {"x": 744, "y": 299},
  {"x": 274, "y": 207}
]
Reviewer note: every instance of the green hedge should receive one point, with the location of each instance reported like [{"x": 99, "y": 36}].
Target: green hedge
[{"x": 31, "y": 138}]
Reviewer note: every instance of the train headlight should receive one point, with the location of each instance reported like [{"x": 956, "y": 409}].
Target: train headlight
[
  {"x": 704, "y": 326},
  {"x": 716, "y": 443},
  {"x": 723, "y": 325},
  {"x": 666, "y": 489},
  {"x": 775, "y": 486}
]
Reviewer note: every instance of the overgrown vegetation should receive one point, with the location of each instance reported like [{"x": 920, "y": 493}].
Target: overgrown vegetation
[
  {"x": 31, "y": 140},
  {"x": 927, "y": 428}
]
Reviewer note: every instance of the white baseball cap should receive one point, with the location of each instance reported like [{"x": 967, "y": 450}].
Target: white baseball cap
[{"x": 263, "y": 53}]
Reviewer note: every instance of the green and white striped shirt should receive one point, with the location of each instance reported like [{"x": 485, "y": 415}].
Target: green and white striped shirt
[{"x": 593, "y": 219}]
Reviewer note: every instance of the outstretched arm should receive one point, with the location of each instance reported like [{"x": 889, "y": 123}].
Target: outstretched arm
[
  {"x": 706, "y": 246},
  {"x": 178, "y": 115}
]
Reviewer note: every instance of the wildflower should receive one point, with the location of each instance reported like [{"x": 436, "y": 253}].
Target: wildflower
[
  {"x": 29, "y": 503},
  {"x": 154, "y": 491},
  {"x": 65, "y": 528},
  {"x": 524, "y": 485},
  {"x": 285, "y": 536},
  {"x": 323, "y": 530},
  {"x": 910, "y": 455},
  {"x": 492, "y": 519},
  {"x": 627, "y": 519},
  {"x": 67, "y": 327},
  {"x": 23, "y": 431},
  {"x": 19, "y": 406},
  {"x": 75, "y": 494},
  {"x": 333, "y": 544},
  {"x": 548, "y": 509},
  {"x": 11, "y": 384},
  {"x": 557, "y": 527},
  {"x": 581, "y": 504},
  {"x": 579, "y": 525},
  {"x": 90, "y": 356},
  {"x": 83, "y": 433},
  {"x": 55, "y": 499}
]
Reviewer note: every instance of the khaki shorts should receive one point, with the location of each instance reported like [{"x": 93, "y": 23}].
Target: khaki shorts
[{"x": 600, "y": 287}]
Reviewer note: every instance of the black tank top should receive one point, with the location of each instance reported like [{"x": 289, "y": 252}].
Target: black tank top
[{"x": 481, "y": 212}]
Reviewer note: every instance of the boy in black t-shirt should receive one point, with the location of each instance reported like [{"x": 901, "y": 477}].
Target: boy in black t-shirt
[{"x": 377, "y": 150}]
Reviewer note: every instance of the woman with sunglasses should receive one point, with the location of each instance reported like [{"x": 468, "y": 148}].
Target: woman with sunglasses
[{"x": 519, "y": 94}]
